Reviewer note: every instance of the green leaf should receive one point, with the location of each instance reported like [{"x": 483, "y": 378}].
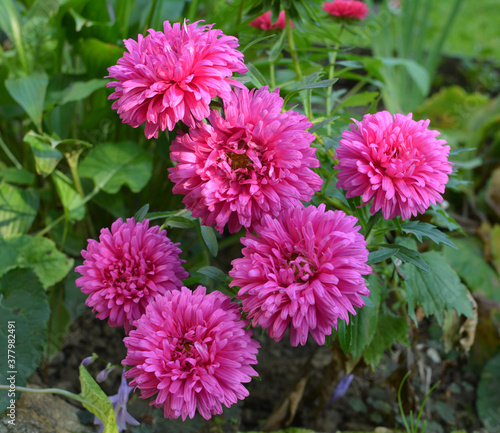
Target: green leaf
[
  {"x": 40, "y": 254},
  {"x": 469, "y": 264},
  {"x": 25, "y": 311},
  {"x": 488, "y": 397},
  {"x": 161, "y": 215},
  {"x": 19, "y": 176},
  {"x": 215, "y": 274},
  {"x": 210, "y": 239},
  {"x": 29, "y": 93},
  {"x": 319, "y": 84},
  {"x": 381, "y": 255},
  {"x": 361, "y": 329},
  {"x": 407, "y": 255},
  {"x": 112, "y": 165},
  {"x": 98, "y": 56},
  {"x": 96, "y": 402},
  {"x": 82, "y": 89},
  {"x": 141, "y": 213},
  {"x": 10, "y": 23},
  {"x": 419, "y": 229},
  {"x": 322, "y": 123},
  {"x": 436, "y": 291},
  {"x": 256, "y": 41},
  {"x": 358, "y": 99},
  {"x": 180, "y": 222},
  {"x": 415, "y": 70},
  {"x": 390, "y": 329},
  {"x": 46, "y": 157},
  {"x": 257, "y": 78},
  {"x": 70, "y": 199},
  {"x": 18, "y": 209}
]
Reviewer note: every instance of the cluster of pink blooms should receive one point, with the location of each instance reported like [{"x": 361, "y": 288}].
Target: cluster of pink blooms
[
  {"x": 350, "y": 9},
  {"x": 250, "y": 167}
]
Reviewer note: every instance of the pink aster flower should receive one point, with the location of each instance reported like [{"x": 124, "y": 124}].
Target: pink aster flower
[
  {"x": 264, "y": 22},
  {"x": 397, "y": 162},
  {"x": 347, "y": 9},
  {"x": 173, "y": 75},
  {"x": 254, "y": 161},
  {"x": 126, "y": 269},
  {"x": 191, "y": 350},
  {"x": 302, "y": 270}
]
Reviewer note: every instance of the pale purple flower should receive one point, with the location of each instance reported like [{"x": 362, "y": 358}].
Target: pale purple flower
[
  {"x": 119, "y": 402},
  {"x": 303, "y": 271}
]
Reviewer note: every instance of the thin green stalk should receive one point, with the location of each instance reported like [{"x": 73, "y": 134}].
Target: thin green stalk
[
  {"x": 47, "y": 391},
  {"x": 193, "y": 10},
  {"x": 293, "y": 49},
  {"x": 9, "y": 154},
  {"x": 423, "y": 405},
  {"x": 240, "y": 12},
  {"x": 147, "y": 24},
  {"x": 50, "y": 226},
  {"x": 272, "y": 74},
  {"x": 332, "y": 57},
  {"x": 400, "y": 403}
]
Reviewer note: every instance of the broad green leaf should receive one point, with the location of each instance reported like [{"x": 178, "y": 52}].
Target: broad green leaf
[
  {"x": 46, "y": 157},
  {"x": 82, "y": 89},
  {"x": 210, "y": 239},
  {"x": 488, "y": 397},
  {"x": 436, "y": 291},
  {"x": 141, "y": 213},
  {"x": 416, "y": 71},
  {"x": 112, "y": 165},
  {"x": 25, "y": 311},
  {"x": 469, "y": 264},
  {"x": 10, "y": 23},
  {"x": 18, "y": 209},
  {"x": 419, "y": 229},
  {"x": 38, "y": 253},
  {"x": 98, "y": 56},
  {"x": 70, "y": 199},
  {"x": 19, "y": 176},
  {"x": 29, "y": 93},
  {"x": 60, "y": 320},
  {"x": 361, "y": 329},
  {"x": 390, "y": 329},
  {"x": 96, "y": 402},
  {"x": 407, "y": 255}
]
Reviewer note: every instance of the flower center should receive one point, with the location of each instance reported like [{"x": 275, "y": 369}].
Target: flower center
[{"x": 239, "y": 160}]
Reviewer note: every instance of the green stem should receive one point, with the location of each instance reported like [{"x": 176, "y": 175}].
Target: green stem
[
  {"x": 332, "y": 57},
  {"x": 50, "y": 226},
  {"x": 240, "y": 12},
  {"x": 272, "y": 74},
  {"x": 10, "y": 154},
  {"x": 147, "y": 24},
  {"x": 193, "y": 10},
  {"x": 292, "y": 48},
  {"x": 47, "y": 391}
]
